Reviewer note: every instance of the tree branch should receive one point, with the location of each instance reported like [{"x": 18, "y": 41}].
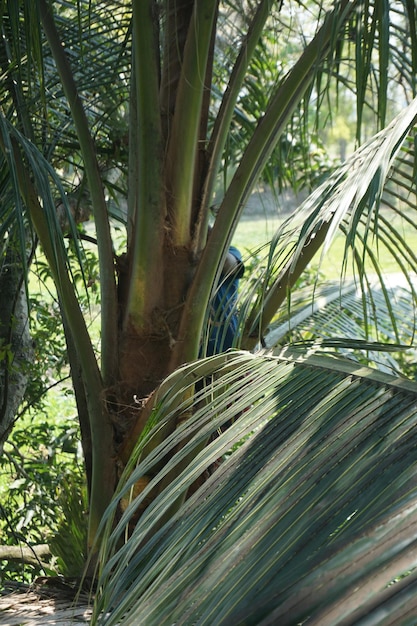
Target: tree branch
[{"x": 30, "y": 555}]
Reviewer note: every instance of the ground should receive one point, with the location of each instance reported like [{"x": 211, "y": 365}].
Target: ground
[{"x": 43, "y": 604}]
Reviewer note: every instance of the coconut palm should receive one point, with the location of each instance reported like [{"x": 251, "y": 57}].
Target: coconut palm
[{"x": 272, "y": 484}]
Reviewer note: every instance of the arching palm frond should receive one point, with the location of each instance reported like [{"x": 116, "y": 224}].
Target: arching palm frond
[
  {"x": 317, "y": 464},
  {"x": 34, "y": 103},
  {"x": 35, "y": 109},
  {"x": 351, "y": 200}
]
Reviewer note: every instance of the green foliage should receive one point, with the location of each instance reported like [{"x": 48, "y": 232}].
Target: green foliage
[
  {"x": 119, "y": 97},
  {"x": 69, "y": 540},
  {"x": 41, "y": 470},
  {"x": 6, "y": 352},
  {"x": 40, "y": 464}
]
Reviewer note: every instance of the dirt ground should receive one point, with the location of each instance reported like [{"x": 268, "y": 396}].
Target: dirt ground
[{"x": 43, "y": 605}]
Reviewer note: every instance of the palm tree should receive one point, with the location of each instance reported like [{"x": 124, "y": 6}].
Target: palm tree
[{"x": 318, "y": 457}]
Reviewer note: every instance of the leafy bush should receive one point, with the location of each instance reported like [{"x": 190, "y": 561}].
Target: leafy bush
[
  {"x": 41, "y": 470},
  {"x": 40, "y": 467}
]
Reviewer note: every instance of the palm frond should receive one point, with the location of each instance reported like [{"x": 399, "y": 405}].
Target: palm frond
[
  {"x": 317, "y": 464},
  {"x": 335, "y": 319},
  {"x": 14, "y": 143},
  {"x": 352, "y": 200},
  {"x": 100, "y": 44}
]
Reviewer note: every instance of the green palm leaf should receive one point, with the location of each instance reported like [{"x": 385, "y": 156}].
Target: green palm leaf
[
  {"x": 350, "y": 200},
  {"x": 318, "y": 466},
  {"x": 338, "y": 311}
]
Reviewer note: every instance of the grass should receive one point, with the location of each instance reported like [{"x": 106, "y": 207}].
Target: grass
[
  {"x": 256, "y": 231},
  {"x": 253, "y": 233}
]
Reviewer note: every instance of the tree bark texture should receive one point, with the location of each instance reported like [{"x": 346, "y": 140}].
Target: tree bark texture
[{"x": 15, "y": 342}]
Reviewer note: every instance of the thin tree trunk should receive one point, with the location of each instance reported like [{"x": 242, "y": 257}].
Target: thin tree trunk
[{"x": 16, "y": 350}]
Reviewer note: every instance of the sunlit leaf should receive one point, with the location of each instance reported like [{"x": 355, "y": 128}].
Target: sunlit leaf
[{"x": 318, "y": 466}]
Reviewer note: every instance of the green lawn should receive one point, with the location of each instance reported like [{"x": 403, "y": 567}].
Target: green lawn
[{"x": 253, "y": 232}]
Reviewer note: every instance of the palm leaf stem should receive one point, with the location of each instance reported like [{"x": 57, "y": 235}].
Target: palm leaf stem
[
  {"x": 263, "y": 140},
  {"x": 412, "y": 23},
  {"x": 336, "y": 199},
  {"x": 382, "y": 9},
  {"x": 226, "y": 111},
  {"x": 181, "y": 156},
  {"x": 103, "y": 477},
  {"x": 254, "y": 330},
  {"x": 147, "y": 208},
  {"x": 104, "y": 241},
  {"x": 271, "y": 126}
]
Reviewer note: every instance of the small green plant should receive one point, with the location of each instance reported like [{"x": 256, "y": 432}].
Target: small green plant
[{"x": 69, "y": 542}]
